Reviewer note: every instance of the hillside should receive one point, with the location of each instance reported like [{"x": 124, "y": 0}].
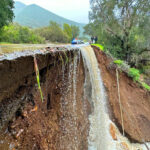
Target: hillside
[
  {"x": 35, "y": 16},
  {"x": 18, "y": 7}
]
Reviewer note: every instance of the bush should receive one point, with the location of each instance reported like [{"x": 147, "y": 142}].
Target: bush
[
  {"x": 134, "y": 73},
  {"x": 145, "y": 86},
  {"x": 15, "y": 33},
  {"x": 118, "y": 62}
]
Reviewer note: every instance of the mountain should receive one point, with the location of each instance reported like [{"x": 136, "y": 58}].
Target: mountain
[
  {"x": 18, "y": 7},
  {"x": 35, "y": 16}
]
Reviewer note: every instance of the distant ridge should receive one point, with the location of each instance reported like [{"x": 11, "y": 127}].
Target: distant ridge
[
  {"x": 35, "y": 16},
  {"x": 18, "y": 7}
]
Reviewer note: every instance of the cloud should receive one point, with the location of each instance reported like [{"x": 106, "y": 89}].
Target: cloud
[{"x": 72, "y": 9}]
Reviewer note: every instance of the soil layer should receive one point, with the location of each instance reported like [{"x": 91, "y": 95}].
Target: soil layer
[
  {"x": 58, "y": 123},
  {"x": 135, "y": 100}
]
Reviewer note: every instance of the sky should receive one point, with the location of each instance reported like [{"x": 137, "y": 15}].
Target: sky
[{"x": 76, "y": 10}]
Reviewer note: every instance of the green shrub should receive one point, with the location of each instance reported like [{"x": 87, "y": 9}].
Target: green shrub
[
  {"x": 14, "y": 33},
  {"x": 134, "y": 73},
  {"x": 99, "y": 46},
  {"x": 146, "y": 86},
  {"x": 118, "y": 62}
]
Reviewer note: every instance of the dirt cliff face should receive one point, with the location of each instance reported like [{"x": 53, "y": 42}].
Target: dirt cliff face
[
  {"x": 135, "y": 100},
  {"x": 61, "y": 121}
]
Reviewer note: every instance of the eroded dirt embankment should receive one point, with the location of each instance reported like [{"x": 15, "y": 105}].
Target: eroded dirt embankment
[
  {"x": 61, "y": 121},
  {"x": 134, "y": 99}
]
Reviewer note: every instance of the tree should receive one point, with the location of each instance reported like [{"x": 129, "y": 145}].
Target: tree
[
  {"x": 75, "y": 31},
  {"x": 89, "y": 29},
  {"x": 119, "y": 24},
  {"x": 68, "y": 31},
  {"x": 6, "y": 12},
  {"x": 53, "y": 33}
]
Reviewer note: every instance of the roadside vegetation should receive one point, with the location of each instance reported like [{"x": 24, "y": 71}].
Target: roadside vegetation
[
  {"x": 118, "y": 62},
  {"x": 123, "y": 66},
  {"x": 55, "y": 33},
  {"x": 99, "y": 46},
  {"x": 134, "y": 73},
  {"x": 15, "y": 33},
  {"x": 122, "y": 27}
]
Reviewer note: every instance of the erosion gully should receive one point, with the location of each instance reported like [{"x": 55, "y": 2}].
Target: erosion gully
[{"x": 74, "y": 114}]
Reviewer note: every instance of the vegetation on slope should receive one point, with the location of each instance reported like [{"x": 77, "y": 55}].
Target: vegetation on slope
[
  {"x": 99, "y": 46},
  {"x": 122, "y": 26},
  {"x": 134, "y": 73},
  {"x": 118, "y": 62}
]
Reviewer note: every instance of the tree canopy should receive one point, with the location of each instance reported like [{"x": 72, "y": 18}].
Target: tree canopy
[
  {"x": 53, "y": 33},
  {"x": 75, "y": 31},
  {"x": 68, "y": 30},
  {"x": 122, "y": 26},
  {"x": 6, "y": 12}
]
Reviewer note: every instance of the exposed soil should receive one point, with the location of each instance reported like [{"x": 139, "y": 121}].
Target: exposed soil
[
  {"x": 134, "y": 99},
  {"x": 61, "y": 121},
  {"x": 56, "y": 124}
]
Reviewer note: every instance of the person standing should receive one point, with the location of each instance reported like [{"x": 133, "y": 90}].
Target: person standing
[
  {"x": 92, "y": 39},
  {"x": 96, "y": 39}
]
